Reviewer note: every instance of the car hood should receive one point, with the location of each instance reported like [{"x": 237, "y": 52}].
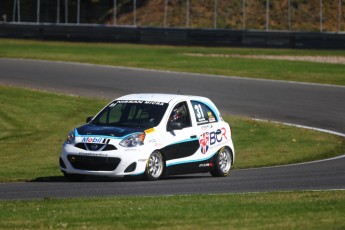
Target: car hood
[{"x": 113, "y": 131}]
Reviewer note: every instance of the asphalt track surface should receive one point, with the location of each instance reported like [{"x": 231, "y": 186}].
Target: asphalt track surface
[{"x": 312, "y": 105}]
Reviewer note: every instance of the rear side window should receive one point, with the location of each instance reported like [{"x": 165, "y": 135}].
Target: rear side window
[{"x": 203, "y": 113}]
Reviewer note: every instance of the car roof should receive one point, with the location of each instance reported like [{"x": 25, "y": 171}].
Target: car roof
[{"x": 165, "y": 98}]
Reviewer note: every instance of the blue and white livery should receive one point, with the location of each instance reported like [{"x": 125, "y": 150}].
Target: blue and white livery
[{"x": 150, "y": 135}]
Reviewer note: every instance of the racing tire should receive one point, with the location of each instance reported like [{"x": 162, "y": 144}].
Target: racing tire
[
  {"x": 155, "y": 166},
  {"x": 74, "y": 177},
  {"x": 222, "y": 163}
]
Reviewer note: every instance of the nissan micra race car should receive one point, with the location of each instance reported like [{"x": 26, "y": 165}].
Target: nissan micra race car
[{"x": 150, "y": 135}]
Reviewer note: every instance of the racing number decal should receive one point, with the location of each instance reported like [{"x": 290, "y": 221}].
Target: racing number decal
[
  {"x": 203, "y": 113},
  {"x": 199, "y": 112}
]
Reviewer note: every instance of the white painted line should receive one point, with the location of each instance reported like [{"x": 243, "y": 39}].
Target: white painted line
[{"x": 303, "y": 126}]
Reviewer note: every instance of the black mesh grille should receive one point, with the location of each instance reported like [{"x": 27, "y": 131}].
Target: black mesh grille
[
  {"x": 95, "y": 147},
  {"x": 81, "y": 146},
  {"x": 94, "y": 163},
  {"x": 109, "y": 147}
]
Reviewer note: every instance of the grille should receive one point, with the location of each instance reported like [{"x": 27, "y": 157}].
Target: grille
[
  {"x": 109, "y": 147},
  {"x": 94, "y": 163},
  {"x": 95, "y": 147}
]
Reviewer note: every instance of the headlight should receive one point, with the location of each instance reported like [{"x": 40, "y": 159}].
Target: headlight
[
  {"x": 133, "y": 140},
  {"x": 70, "y": 138}
]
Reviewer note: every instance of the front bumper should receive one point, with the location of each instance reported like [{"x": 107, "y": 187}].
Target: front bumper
[{"x": 115, "y": 163}]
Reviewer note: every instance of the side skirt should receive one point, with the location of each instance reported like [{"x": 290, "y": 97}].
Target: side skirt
[{"x": 190, "y": 167}]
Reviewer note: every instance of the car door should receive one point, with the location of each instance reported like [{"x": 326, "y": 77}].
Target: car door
[{"x": 183, "y": 140}]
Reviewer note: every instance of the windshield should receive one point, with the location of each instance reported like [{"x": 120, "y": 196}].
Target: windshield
[{"x": 139, "y": 114}]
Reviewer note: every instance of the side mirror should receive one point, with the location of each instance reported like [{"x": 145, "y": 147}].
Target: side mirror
[
  {"x": 175, "y": 125},
  {"x": 88, "y": 119}
]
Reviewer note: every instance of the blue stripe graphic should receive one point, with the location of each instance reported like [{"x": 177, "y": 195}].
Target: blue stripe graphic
[{"x": 190, "y": 161}]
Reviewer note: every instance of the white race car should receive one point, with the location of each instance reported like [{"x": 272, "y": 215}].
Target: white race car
[{"x": 150, "y": 135}]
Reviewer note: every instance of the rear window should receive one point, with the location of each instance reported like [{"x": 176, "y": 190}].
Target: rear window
[{"x": 203, "y": 113}]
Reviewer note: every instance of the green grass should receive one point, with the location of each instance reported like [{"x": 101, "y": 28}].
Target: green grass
[
  {"x": 175, "y": 59},
  {"x": 279, "y": 210},
  {"x": 259, "y": 144},
  {"x": 34, "y": 125}
]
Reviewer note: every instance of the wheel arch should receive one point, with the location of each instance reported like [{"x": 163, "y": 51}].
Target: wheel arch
[
  {"x": 150, "y": 177},
  {"x": 163, "y": 155}
]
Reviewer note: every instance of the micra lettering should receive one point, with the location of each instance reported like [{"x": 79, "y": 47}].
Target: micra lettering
[{"x": 154, "y": 103}]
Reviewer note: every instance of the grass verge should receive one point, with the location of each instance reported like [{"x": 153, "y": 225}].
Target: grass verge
[
  {"x": 177, "y": 59},
  {"x": 278, "y": 210},
  {"x": 34, "y": 125}
]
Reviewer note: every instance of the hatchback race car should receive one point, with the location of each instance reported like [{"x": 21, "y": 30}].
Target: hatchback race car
[{"x": 150, "y": 135}]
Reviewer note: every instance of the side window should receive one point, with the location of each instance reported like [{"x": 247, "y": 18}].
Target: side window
[
  {"x": 181, "y": 114},
  {"x": 203, "y": 113}
]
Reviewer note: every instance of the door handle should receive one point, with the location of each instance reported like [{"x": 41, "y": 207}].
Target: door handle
[{"x": 193, "y": 136}]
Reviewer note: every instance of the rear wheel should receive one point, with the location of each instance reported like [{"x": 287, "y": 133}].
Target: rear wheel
[
  {"x": 222, "y": 163},
  {"x": 155, "y": 166}
]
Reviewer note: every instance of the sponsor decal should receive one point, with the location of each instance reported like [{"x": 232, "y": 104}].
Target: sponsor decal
[
  {"x": 131, "y": 102},
  {"x": 112, "y": 104},
  {"x": 93, "y": 140},
  {"x": 139, "y": 102},
  {"x": 153, "y": 103},
  {"x": 205, "y": 165},
  {"x": 94, "y": 154},
  {"x": 210, "y": 139},
  {"x": 130, "y": 150},
  {"x": 211, "y": 118},
  {"x": 204, "y": 127},
  {"x": 148, "y": 131},
  {"x": 204, "y": 142}
]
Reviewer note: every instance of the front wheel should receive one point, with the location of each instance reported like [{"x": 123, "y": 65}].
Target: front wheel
[
  {"x": 155, "y": 166},
  {"x": 222, "y": 163}
]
